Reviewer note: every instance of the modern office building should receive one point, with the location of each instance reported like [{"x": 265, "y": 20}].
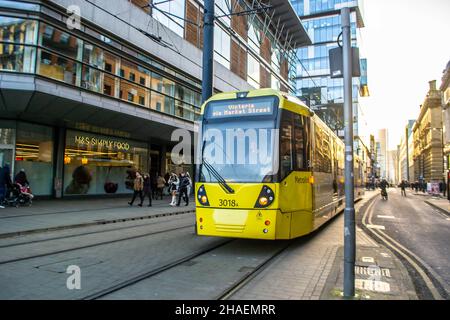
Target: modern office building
[
  {"x": 382, "y": 153},
  {"x": 406, "y": 149},
  {"x": 314, "y": 85},
  {"x": 86, "y": 102}
]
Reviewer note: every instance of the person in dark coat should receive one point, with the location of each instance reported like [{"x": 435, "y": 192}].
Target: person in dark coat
[
  {"x": 147, "y": 191},
  {"x": 182, "y": 189},
  {"x": 403, "y": 187},
  {"x": 2, "y": 186}
]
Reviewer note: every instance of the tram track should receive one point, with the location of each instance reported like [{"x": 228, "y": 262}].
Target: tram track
[
  {"x": 153, "y": 272},
  {"x": 83, "y": 234},
  {"x": 95, "y": 244},
  {"x": 433, "y": 282},
  {"x": 233, "y": 289}
]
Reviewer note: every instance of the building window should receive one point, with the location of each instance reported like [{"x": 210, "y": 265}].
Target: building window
[
  {"x": 253, "y": 71},
  {"x": 141, "y": 100},
  {"x": 174, "y": 8},
  {"x": 132, "y": 76},
  {"x": 222, "y": 46},
  {"x": 18, "y": 30},
  {"x": 55, "y": 67},
  {"x": 65, "y": 43}
]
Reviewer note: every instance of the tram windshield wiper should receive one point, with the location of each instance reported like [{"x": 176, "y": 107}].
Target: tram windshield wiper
[{"x": 213, "y": 171}]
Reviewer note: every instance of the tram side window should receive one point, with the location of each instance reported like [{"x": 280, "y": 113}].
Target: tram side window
[
  {"x": 286, "y": 158},
  {"x": 301, "y": 144},
  {"x": 322, "y": 152}
]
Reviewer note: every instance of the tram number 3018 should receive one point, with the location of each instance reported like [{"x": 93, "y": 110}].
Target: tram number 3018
[{"x": 227, "y": 203}]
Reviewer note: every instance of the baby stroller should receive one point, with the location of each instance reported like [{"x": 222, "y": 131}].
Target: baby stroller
[{"x": 18, "y": 195}]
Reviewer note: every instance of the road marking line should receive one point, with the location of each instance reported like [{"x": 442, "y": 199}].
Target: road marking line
[
  {"x": 386, "y": 217},
  {"x": 373, "y": 226},
  {"x": 372, "y": 285},
  {"x": 368, "y": 259},
  {"x": 396, "y": 247}
]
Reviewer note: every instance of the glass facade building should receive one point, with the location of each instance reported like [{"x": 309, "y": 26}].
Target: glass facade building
[
  {"x": 314, "y": 85},
  {"x": 84, "y": 108}
]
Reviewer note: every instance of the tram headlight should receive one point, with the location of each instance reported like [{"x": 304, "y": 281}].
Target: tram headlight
[
  {"x": 265, "y": 198},
  {"x": 202, "y": 197}
]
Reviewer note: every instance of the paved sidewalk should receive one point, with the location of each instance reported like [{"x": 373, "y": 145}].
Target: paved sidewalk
[
  {"x": 63, "y": 214},
  {"x": 441, "y": 204},
  {"x": 312, "y": 269}
]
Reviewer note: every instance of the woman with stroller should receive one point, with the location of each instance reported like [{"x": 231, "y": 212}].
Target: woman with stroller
[{"x": 24, "y": 185}]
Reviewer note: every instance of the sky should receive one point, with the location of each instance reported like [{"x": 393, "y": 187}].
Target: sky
[{"x": 406, "y": 43}]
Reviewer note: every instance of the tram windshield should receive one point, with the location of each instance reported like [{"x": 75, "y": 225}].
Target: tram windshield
[{"x": 241, "y": 145}]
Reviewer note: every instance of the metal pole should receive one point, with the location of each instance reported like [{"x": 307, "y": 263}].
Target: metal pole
[
  {"x": 208, "y": 50},
  {"x": 349, "y": 215}
]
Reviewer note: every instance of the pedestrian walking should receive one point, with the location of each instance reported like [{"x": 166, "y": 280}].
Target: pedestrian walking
[
  {"x": 182, "y": 189},
  {"x": 173, "y": 187},
  {"x": 2, "y": 186},
  {"x": 147, "y": 190},
  {"x": 403, "y": 187},
  {"x": 190, "y": 186},
  {"x": 138, "y": 186},
  {"x": 160, "y": 183}
]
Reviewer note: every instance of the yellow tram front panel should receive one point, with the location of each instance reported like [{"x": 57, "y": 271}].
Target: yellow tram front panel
[{"x": 235, "y": 215}]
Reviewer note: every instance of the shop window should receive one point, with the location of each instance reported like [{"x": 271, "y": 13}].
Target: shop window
[
  {"x": 97, "y": 164},
  {"x": 34, "y": 155}
]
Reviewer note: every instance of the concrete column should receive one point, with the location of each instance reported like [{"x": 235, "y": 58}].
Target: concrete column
[
  {"x": 60, "y": 144},
  {"x": 163, "y": 159}
]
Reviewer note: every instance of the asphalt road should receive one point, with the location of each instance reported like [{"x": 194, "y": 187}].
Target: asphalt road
[{"x": 421, "y": 229}]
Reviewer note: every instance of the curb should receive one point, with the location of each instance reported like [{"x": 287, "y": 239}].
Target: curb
[
  {"x": 94, "y": 223},
  {"x": 437, "y": 207}
]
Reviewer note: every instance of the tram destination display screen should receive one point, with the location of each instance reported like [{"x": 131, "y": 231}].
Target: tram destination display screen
[{"x": 241, "y": 107}]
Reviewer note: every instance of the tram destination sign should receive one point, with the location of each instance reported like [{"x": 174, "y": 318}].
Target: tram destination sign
[{"x": 236, "y": 108}]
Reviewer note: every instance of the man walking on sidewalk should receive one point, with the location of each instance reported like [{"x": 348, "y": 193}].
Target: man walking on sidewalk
[
  {"x": 403, "y": 187},
  {"x": 138, "y": 186},
  {"x": 182, "y": 189}
]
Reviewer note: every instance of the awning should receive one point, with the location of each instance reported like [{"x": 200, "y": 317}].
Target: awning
[{"x": 290, "y": 23}]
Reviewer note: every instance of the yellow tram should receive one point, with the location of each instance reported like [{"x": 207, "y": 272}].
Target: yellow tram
[{"x": 270, "y": 168}]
